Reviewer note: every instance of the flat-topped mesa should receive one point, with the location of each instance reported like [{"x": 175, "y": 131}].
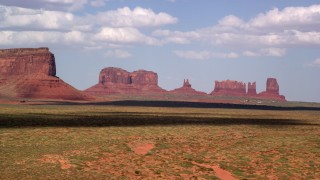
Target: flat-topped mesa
[
  {"x": 229, "y": 87},
  {"x": 31, "y": 73},
  {"x": 252, "y": 89},
  {"x": 272, "y": 91},
  {"x": 187, "y": 89},
  {"x": 114, "y": 75},
  {"x": 143, "y": 77},
  {"x": 118, "y": 81},
  {"x": 26, "y": 61}
]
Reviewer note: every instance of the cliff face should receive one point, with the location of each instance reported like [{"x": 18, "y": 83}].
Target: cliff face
[
  {"x": 27, "y": 61},
  {"x": 186, "y": 89},
  {"x": 118, "y": 81},
  {"x": 228, "y": 87},
  {"x": 114, "y": 75},
  {"x": 143, "y": 77},
  {"x": 31, "y": 73},
  {"x": 272, "y": 90},
  {"x": 272, "y": 86},
  {"x": 252, "y": 89}
]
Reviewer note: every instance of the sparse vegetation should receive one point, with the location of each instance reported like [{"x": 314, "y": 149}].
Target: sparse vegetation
[{"x": 93, "y": 141}]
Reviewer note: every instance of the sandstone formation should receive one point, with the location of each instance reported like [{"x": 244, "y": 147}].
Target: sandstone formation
[
  {"x": 31, "y": 73},
  {"x": 272, "y": 90},
  {"x": 252, "y": 89},
  {"x": 118, "y": 81},
  {"x": 229, "y": 88},
  {"x": 186, "y": 89}
]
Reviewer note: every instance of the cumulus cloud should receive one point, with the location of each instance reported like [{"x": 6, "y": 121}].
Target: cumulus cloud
[
  {"x": 202, "y": 55},
  {"x": 291, "y": 26},
  {"x": 123, "y": 35},
  {"x": 290, "y": 17},
  {"x": 137, "y": 17},
  {"x": 118, "y": 26},
  {"x": 69, "y": 5},
  {"x": 118, "y": 53},
  {"x": 15, "y": 17}
]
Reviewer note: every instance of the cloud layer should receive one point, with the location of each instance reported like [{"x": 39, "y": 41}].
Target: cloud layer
[
  {"x": 267, "y": 34},
  {"x": 23, "y": 25}
]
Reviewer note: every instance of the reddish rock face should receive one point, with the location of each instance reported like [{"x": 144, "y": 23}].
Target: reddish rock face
[
  {"x": 252, "y": 90},
  {"x": 272, "y": 86},
  {"x": 272, "y": 91},
  {"x": 27, "y": 61},
  {"x": 143, "y": 77},
  {"x": 114, "y": 75},
  {"x": 187, "y": 89},
  {"x": 30, "y": 73},
  {"x": 118, "y": 81},
  {"x": 228, "y": 87}
]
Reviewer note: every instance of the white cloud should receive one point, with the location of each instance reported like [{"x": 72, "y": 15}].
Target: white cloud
[
  {"x": 202, "y": 55},
  {"x": 292, "y": 26},
  {"x": 123, "y": 35},
  {"x": 118, "y": 53},
  {"x": 138, "y": 17},
  {"x": 66, "y": 27},
  {"x": 295, "y": 17},
  {"x": 63, "y": 5},
  {"x": 74, "y": 37},
  {"x": 13, "y": 17}
]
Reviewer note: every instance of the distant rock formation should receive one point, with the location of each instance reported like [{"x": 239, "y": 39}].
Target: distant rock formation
[
  {"x": 187, "y": 89},
  {"x": 118, "y": 81},
  {"x": 272, "y": 90},
  {"x": 229, "y": 88},
  {"x": 31, "y": 73},
  {"x": 252, "y": 89}
]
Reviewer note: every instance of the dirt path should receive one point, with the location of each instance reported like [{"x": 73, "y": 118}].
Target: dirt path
[
  {"x": 220, "y": 173},
  {"x": 141, "y": 148}
]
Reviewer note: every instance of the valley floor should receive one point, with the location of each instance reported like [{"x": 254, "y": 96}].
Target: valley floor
[{"x": 137, "y": 142}]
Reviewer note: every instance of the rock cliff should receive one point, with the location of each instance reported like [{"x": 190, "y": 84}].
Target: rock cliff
[
  {"x": 252, "y": 89},
  {"x": 229, "y": 87},
  {"x": 272, "y": 90},
  {"x": 27, "y": 61},
  {"x": 31, "y": 73},
  {"x": 118, "y": 81}
]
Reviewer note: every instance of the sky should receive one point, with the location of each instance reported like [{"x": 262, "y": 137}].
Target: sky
[{"x": 202, "y": 40}]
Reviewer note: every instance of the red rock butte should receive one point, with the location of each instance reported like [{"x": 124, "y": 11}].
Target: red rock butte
[
  {"x": 235, "y": 88},
  {"x": 118, "y": 81},
  {"x": 272, "y": 90},
  {"x": 31, "y": 73},
  {"x": 229, "y": 87}
]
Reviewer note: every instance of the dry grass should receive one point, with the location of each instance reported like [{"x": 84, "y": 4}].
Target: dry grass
[{"x": 95, "y": 142}]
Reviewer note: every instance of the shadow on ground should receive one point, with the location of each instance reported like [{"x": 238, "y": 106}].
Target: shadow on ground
[
  {"x": 174, "y": 104},
  {"x": 136, "y": 120}
]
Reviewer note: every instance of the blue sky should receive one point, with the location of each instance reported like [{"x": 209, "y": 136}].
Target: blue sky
[{"x": 201, "y": 40}]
